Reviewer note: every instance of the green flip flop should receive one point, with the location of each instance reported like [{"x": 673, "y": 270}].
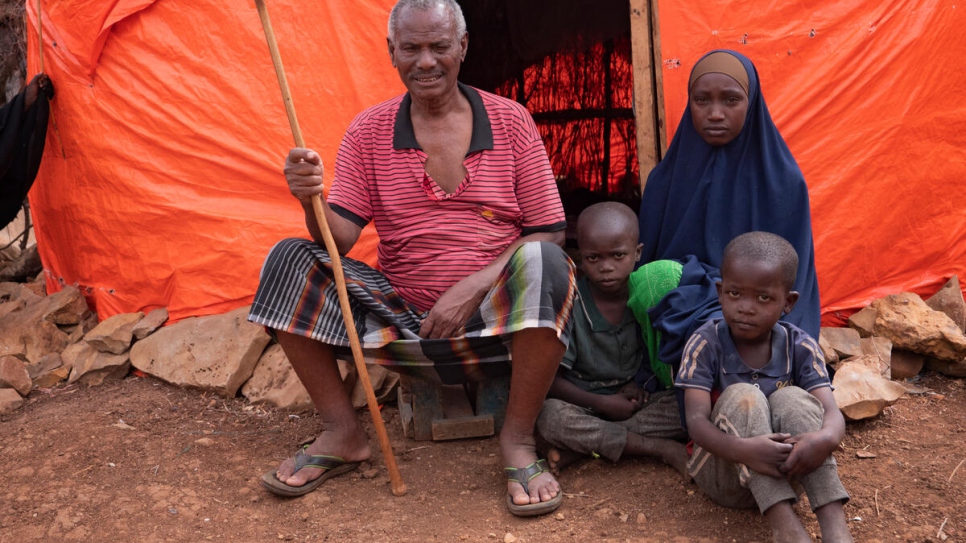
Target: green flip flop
[
  {"x": 333, "y": 466},
  {"x": 524, "y": 476}
]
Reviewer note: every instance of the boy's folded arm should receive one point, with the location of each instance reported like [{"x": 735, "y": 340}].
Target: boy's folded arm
[
  {"x": 608, "y": 406},
  {"x": 764, "y": 453},
  {"x": 562, "y": 389},
  {"x": 811, "y": 449}
]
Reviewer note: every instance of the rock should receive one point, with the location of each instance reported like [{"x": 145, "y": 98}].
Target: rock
[
  {"x": 879, "y": 348},
  {"x": 9, "y": 307},
  {"x": 79, "y": 330},
  {"x": 831, "y": 357},
  {"x": 151, "y": 322},
  {"x": 914, "y": 326},
  {"x": 13, "y": 374},
  {"x": 66, "y": 307},
  {"x": 91, "y": 366},
  {"x": 863, "y": 321},
  {"x": 26, "y": 335},
  {"x": 25, "y": 293},
  {"x": 47, "y": 363},
  {"x": 946, "y": 367},
  {"x": 274, "y": 382},
  {"x": 115, "y": 334},
  {"x": 216, "y": 353},
  {"x": 26, "y": 265},
  {"x": 384, "y": 383},
  {"x": 10, "y": 401},
  {"x": 905, "y": 364},
  {"x": 7, "y": 288},
  {"x": 844, "y": 341},
  {"x": 52, "y": 377},
  {"x": 860, "y": 390},
  {"x": 949, "y": 300}
]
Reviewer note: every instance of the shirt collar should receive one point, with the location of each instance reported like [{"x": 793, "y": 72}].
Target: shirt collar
[
  {"x": 597, "y": 321},
  {"x": 404, "y": 137},
  {"x": 778, "y": 365}
]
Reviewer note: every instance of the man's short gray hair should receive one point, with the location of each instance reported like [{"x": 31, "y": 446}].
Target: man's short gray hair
[{"x": 424, "y": 5}]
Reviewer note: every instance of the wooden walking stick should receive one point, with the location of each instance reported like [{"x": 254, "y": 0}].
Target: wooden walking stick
[{"x": 398, "y": 486}]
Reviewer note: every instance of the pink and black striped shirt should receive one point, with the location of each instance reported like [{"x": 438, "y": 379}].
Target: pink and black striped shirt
[{"x": 428, "y": 239}]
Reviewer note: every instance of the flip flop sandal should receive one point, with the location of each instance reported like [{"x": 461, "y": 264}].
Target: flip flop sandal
[
  {"x": 524, "y": 476},
  {"x": 333, "y": 466}
]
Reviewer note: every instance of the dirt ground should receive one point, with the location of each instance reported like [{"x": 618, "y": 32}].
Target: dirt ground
[{"x": 140, "y": 460}]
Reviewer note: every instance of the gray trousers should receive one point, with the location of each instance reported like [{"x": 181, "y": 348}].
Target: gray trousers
[
  {"x": 571, "y": 427},
  {"x": 742, "y": 410}
]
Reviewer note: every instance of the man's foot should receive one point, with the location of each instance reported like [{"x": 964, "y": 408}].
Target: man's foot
[
  {"x": 350, "y": 448},
  {"x": 561, "y": 458},
  {"x": 520, "y": 452}
]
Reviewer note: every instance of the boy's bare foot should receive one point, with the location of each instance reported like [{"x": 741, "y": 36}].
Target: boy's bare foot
[
  {"x": 834, "y": 526},
  {"x": 561, "y": 458},
  {"x": 785, "y": 525},
  {"x": 669, "y": 451}
]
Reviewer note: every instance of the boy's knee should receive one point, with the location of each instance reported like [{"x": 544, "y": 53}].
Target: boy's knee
[
  {"x": 743, "y": 394},
  {"x": 795, "y": 406}
]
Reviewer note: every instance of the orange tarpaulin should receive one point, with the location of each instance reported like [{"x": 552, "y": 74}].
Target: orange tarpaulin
[
  {"x": 168, "y": 191},
  {"x": 161, "y": 185}
]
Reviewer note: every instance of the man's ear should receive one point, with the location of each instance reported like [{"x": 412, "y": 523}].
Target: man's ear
[
  {"x": 464, "y": 45},
  {"x": 392, "y": 58},
  {"x": 790, "y": 301},
  {"x": 717, "y": 286},
  {"x": 637, "y": 254}
]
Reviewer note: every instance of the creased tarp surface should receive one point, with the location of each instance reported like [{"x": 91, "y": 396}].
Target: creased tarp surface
[
  {"x": 161, "y": 185},
  {"x": 866, "y": 93}
]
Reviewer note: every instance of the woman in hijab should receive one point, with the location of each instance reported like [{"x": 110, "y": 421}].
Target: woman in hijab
[{"x": 727, "y": 171}]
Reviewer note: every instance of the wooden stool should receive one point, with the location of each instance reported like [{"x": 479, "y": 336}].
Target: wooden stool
[{"x": 430, "y": 410}]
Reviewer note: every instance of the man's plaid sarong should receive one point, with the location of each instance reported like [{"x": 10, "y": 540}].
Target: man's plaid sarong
[{"x": 297, "y": 294}]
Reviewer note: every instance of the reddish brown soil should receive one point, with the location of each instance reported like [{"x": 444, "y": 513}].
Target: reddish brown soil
[{"x": 184, "y": 466}]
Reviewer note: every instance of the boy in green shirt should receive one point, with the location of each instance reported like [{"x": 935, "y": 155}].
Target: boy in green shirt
[{"x": 594, "y": 406}]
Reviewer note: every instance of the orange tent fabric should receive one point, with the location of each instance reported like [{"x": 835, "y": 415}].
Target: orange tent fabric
[
  {"x": 162, "y": 185},
  {"x": 866, "y": 94}
]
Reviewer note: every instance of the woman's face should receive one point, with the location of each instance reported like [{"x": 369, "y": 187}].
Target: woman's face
[{"x": 718, "y": 108}]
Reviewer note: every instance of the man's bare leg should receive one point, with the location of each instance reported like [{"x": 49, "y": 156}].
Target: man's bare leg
[
  {"x": 785, "y": 525},
  {"x": 831, "y": 520},
  {"x": 669, "y": 451},
  {"x": 536, "y": 353},
  {"x": 341, "y": 435}
]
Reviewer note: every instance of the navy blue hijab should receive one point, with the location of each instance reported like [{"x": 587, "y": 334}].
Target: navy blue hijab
[{"x": 700, "y": 197}]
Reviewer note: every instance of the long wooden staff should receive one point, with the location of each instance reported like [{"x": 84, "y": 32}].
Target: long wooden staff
[{"x": 398, "y": 487}]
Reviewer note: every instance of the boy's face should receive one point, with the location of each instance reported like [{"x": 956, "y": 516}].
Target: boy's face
[
  {"x": 608, "y": 258},
  {"x": 753, "y": 295}
]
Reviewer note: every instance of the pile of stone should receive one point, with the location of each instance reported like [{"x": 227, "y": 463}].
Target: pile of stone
[
  {"x": 877, "y": 358},
  {"x": 47, "y": 340}
]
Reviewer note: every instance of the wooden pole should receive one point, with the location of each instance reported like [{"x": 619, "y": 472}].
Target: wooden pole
[
  {"x": 648, "y": 131},
  {"x": 398, "y": 486}
]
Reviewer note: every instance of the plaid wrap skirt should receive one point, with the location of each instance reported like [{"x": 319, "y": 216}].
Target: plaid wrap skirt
[{"x": 297, "y": 294}]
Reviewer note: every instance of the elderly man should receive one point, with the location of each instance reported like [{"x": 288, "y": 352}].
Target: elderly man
[{"x": 458, "y": 184}]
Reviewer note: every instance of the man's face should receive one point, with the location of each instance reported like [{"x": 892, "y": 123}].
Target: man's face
[
  {"x": 718, "y": 108},
  {"x": 427, "y": 51}
]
